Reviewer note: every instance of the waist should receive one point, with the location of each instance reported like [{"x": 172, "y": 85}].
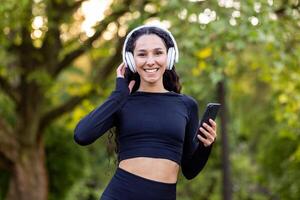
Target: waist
[
  {"x": 150, "y": 151},
  {"x": 156, "y": 169}
]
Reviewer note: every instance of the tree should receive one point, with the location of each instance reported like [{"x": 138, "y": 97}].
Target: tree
[
  {"x": 33, "y": 63},
  {"x": 250, "y": 46}
]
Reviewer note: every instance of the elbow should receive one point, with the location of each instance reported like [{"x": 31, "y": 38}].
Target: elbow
[
  {"x": 190, "y": 171},
  {"x": 79, "y": 140},
  {"x": 188, "y": 176},
  {"x": 79, "y": 137}
]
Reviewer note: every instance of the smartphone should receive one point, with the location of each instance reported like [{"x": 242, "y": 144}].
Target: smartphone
[{"x": 211, "y": 112}]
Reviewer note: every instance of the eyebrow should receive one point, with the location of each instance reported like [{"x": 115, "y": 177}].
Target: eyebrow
[{"x": 153, "y": 49}]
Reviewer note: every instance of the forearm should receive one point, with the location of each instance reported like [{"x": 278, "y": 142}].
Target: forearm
[
  {"x": 191, "y": 166},
  {"x": 97, "y": 122}
]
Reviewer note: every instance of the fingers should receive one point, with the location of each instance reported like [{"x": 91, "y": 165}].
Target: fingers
[
  {"x": 209, "y": 138},
  {"x": 203, "y": 140},
  {"x": 130, "y": 85},
  {"x": 211, "y": 129},
  {"x": 121, "y": 70},
  {"x": 209, "y": 132},
  {"x": 213, "y": 124}
]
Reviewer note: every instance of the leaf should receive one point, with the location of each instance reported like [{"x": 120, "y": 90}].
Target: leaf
[
  {"x": 296, "y": 155},
  {"x": 196, "y": 71},
  {"x": 216, "y": 77},
  {"x": 202, "y": 65},
  {"x": 204, "y": 53},
  {"x": 41, "y": 77}
]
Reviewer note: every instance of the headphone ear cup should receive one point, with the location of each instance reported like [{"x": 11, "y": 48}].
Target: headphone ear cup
[
  {"x": 130, "y": 61},
  {"x": 171, "y": 58}
]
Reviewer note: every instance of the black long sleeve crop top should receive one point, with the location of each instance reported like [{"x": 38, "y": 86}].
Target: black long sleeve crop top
[{"x": 157, "y": 125}]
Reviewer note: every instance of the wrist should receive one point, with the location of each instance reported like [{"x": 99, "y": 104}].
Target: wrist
[{"x": 121, "y": 84}]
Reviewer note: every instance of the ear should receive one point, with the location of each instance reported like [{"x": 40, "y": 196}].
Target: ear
[
  {"x": 171, "y": 58},
  {"x": 130, "y": 61}
]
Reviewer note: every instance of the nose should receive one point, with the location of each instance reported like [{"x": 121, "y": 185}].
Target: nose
[{"x": 150, "y": 61}]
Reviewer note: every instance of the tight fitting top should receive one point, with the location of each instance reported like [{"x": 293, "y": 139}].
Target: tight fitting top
[{"x": 149, "y": 124}]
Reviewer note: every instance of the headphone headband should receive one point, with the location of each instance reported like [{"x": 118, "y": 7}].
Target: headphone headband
[{"x": 156, "y": 26}]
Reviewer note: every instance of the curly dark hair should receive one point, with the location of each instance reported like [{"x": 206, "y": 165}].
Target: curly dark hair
[{"x": 170, "y": 77}]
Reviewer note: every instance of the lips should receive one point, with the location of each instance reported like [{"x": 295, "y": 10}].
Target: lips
[{"x": 152, "y": 70}]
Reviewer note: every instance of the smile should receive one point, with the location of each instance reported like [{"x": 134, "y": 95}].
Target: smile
[{"x": 151, "y": 70}]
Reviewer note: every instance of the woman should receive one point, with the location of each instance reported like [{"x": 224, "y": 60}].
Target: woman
[{"x": 157, "y": 127}]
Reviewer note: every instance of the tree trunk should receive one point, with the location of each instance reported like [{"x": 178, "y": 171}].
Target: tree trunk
[
  {"x": 29, "y": 180},
  {"x": 227, "y": 186}
]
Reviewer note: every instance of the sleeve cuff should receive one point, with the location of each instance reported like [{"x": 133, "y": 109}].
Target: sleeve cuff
[{"x": 121, "y": 85}]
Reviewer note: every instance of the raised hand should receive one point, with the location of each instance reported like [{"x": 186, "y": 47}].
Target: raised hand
[
  {"x": 120, "y": 73},
  {"x": 121, "y": 70}
]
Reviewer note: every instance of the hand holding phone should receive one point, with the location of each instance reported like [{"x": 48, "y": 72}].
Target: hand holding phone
[{"x": 211, "y": 112}]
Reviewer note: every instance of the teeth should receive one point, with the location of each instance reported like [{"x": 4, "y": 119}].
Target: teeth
[{"x": 151, "y": 70}]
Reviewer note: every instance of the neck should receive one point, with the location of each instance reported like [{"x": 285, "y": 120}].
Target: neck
[{"x": 149, "y": 87}]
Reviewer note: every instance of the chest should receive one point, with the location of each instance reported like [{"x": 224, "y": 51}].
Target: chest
[{"x": 153, "y": 120}]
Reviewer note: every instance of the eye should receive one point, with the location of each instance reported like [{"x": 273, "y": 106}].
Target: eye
[
  {"x": 159, "y": 53},
  {"x": 141, "y": 54}
]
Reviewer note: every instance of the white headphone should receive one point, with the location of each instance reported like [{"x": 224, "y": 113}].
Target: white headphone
[{"x": 173, "y": 53}]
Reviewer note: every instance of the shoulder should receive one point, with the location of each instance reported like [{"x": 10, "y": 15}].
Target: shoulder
[{"x": 190, "y": 102}]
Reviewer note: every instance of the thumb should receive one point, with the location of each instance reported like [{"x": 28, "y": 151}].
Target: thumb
[{"x": 130, "y": 85}]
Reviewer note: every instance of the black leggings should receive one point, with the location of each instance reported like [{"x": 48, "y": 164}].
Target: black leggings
[{"x": 128, "y": 186}]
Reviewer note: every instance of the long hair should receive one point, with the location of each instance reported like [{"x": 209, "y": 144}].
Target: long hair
[{"x": 170, "y": 77}]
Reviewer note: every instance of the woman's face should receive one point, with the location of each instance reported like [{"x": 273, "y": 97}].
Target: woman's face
[{"x": 150, "y": 56}]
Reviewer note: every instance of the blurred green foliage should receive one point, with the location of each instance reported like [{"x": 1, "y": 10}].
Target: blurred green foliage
[
  {"x": 66, "y": 162},
  {"x": 259, "y": 63}
]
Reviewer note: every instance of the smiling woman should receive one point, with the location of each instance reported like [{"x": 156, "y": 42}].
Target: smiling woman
[
  {"x": 150, "y": 56},
  {"x": 151, "y": 52},
  {"x": 156, "y": 126}
]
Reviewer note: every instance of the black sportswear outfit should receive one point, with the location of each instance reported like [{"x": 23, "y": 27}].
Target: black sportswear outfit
[{"x": 157, "y": 125}]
